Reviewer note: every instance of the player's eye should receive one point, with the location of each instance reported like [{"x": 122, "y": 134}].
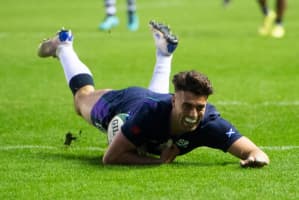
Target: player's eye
[
  {"x": 200, "y": 107},
  {"x": 187, "y": 106}
]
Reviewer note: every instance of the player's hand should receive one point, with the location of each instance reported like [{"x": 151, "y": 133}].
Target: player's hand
[
  {"x": 254, "y": 162},
  {"x": 169, "y": 153}
]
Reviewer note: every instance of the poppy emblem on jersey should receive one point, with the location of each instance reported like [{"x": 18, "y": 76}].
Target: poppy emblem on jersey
[{"x": 182, "y": 143}]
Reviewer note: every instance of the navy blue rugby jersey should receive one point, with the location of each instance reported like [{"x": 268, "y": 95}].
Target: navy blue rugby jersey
[
  {"x": 134, "y": 101},
  {"x": 149, "y": 128},
  {"x": 148, "y": 124},
  {"x": 213, "y": 131}
]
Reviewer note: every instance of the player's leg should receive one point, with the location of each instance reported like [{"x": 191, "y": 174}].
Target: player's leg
[
  {"x": 269, "y": 17},
  {"x": 264, "y": 7},
  {"x": 226, "y": 2},
  {"x": 77, "y": 74},
  {"x": 111, "y": 19},
  {"x": 133, "y": 21},
  {"x": 280, "y": 10},
  {"x": 278, "y": 30},
  {"x": 165, "y": 43}
]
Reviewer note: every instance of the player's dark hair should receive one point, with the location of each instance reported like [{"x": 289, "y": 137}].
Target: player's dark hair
[{"x": 194, "y": 82}]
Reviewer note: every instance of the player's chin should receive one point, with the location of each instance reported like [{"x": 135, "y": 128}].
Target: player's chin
[{"x": 189, "y": 127}]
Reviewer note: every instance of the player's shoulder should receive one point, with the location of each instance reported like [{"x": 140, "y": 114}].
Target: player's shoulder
[
  {"x": 211, "y": 113},
  {"x": 157, "y": 106},
  {"x": 158, "y": 99}
]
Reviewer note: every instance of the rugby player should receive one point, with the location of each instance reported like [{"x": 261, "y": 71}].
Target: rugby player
[{"x": 159, "y": 126}]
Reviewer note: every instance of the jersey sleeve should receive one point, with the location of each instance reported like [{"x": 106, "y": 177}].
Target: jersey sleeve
[
  {"x": 214, "y": 132},
  {"x": 219, "y": 133}
]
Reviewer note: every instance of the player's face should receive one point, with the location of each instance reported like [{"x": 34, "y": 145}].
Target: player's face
[{"x": 189, "y": 109}]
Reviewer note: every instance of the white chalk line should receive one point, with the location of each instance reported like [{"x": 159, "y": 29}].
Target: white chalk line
[
  {"x": 224, "y": 103},
  {"x": 279, "y": 147},
  {"x": 44, "y": 147},
  {"x": 265, "y": 103}
]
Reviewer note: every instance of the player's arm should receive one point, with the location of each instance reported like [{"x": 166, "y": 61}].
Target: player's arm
[
  {"x": 221, "y": 134},
  {"x": 122, "y": 151},
  {"x": 249, "y": 153}
]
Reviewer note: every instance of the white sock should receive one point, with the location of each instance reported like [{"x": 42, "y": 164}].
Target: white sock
[
  {"x": 161, "y": 74},
  {"x": 70, "y": 62},
  {"x": 131, "y": 4},
  {"x": 110, "y": 7}
]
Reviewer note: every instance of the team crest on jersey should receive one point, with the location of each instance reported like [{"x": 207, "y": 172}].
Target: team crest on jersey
[{"x": 182, "y": 143}]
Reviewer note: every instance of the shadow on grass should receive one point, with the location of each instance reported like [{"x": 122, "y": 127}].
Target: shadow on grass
[
  {"x": 90, "y": 160},
  {"x": 85, "y": 159},
  {"x": 96, "y": 161},
  {"x": 202, "y": 164}
]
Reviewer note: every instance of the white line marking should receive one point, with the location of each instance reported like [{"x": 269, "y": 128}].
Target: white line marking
[
  {"x": 22, "y": 147},
  {"x": 41, "y": 147},
  {"x": 217, "y": 103},
  {"x": 3, "y": 34},
  {"x": 265, "y": 103},
  {"x": 279, "y": 147}
]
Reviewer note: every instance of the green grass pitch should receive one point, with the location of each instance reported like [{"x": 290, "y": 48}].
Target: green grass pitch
[{"x": 256, "y": 83}]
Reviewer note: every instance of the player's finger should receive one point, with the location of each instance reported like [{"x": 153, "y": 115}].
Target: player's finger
[{"x": 248, "y": 162}]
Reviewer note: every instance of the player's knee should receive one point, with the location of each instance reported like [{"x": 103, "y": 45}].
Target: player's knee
[
  {"x": 77, "y": 109},
  {"x": 81, "y": 100}
]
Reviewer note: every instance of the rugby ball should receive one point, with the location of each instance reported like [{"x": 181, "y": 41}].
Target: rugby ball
[{"x": 115, "y": 125}]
